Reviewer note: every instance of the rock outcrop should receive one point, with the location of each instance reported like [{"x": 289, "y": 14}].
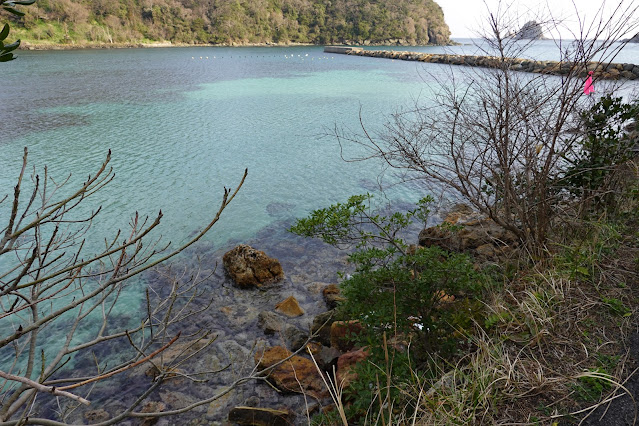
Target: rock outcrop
[
  {"x": 634, "y": 39},
  {"x": 531, "y": 30},
  {"x": 478, "y": 234},
  {"x": 249, "y": 267},
  {"x": 296, "y": 374}
]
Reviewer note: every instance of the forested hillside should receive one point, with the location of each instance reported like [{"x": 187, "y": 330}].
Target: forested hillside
[{"x": 232, "y": 21}]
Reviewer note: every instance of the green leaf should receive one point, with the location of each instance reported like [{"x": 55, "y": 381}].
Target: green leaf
[
  {"x": 11, "y": 47},
  {"x": 24, "y": 2},
  {"x": 14, "y": 11},
  {"x": 7, "y": 57},
  {"x": 5, "y": 32},
  {"x": 583, "y": 271}
]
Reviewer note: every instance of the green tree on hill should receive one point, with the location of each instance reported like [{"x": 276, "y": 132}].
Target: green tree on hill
[{"x": 233, "y": 21}]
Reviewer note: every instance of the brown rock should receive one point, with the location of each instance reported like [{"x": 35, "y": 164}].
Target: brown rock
[
  {"x": 346, "y": 365},
  {"x": 296, "y": 374},
  {"x": 259, "y": 416},
  {"x": 151, "y": 407},
  {"x": 290, "y": 307},
  {"x": 96, "y": 416},
  {"x": 486, "y": 250},
  {"x": 250, "y": 267},
  {"x": 476, "y": 234},
  {"x": 332, "y": 296},
  {"x": 458, "y": 212},
  {"x": 342, "y": 332}
]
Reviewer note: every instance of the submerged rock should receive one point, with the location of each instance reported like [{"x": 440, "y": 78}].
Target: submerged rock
[
  {"x": 249, "y": 267},
  {"x": 290, "y": 307},
  {"x": 259, "y": 416},
  {"x": 270, "y": 322}
]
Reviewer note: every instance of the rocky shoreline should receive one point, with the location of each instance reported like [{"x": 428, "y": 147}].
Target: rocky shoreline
[
  {"x": 601, "y": 71},
  {"x": 26, "y": 45}
]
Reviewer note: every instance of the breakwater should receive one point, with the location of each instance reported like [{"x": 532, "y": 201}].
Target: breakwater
[{"x": 602, "y": 71}]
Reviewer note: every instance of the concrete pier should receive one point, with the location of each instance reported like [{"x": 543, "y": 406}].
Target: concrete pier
[{"x": 605, "y": 71}]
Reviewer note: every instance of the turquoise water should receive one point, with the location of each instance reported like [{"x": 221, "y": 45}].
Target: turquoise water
[{"x": 180, "y": 128}]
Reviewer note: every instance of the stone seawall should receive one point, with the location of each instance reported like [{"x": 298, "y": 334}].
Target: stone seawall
[{"x": 613, "y": 71}]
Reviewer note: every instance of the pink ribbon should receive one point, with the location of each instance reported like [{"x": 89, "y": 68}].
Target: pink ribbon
[{"x": 589, "y": 87}]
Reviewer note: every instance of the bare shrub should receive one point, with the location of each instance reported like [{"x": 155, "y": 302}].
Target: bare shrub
[
  {"x": 59, "y": 295},
  {"x": 501, "y": 139}
]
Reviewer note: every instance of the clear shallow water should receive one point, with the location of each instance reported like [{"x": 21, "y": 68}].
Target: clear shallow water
[{"x": 181, "y": 127}]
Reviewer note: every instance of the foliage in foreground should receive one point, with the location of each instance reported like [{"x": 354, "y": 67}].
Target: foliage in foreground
[
  {"x": 60, "y": 296},
  {"x": 400, "y": 292},
  {"x": 6, "y": 50}
]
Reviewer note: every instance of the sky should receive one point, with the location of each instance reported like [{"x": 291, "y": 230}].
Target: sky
[{"x": 464, "y": 17}]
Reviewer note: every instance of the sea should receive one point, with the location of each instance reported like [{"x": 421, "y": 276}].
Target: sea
[{"x": 184, "y": 123}]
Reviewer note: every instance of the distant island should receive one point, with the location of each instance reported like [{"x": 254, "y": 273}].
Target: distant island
[
  {"x": 77, "y": 23},
  {"x": 634, "y": 39},
  {"x": 531, "y": 30}
]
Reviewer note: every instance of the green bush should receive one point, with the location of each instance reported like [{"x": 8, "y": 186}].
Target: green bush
[
  {"x": 402, "y": 295},
  {"x": 6, "y": 50},
  {"x": 605, "y": 145}
]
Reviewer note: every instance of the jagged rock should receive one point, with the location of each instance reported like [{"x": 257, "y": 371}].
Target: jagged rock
[
  {"x": 531, "y": 30},
  {"x": 332, "y": 296},
  {"x": 294, "y": 337},
  {"x": 634, "y": 39},
  {"x": 259, "y": 416},
  {"x": 249, "y": 267},
  {"x": 346, "y": 364},
  {"x": 290, "y": 307},
  {"x": 476, "y": 234},
  {"x": 270, "y": 322},
  {"x": 341, "y": 333},
  {"x": 296, "y": 374}
]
